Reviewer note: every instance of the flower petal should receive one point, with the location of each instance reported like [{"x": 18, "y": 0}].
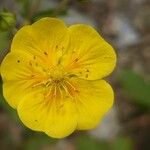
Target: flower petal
[
  {"x": 18, "y": 76},
  {"x": 55, "y": 117},
  {"x": 32, "y": 110},
  {"x": 62, "y": 119},
  {"x": 95, "y": 98},
  {"x": 15, "y": 91},
  {"x": 48, "y": 36},
  {"x": 89, "y": 56},
  {"x": 15, "y": 66},
  {"x": 13, "y": 69}
]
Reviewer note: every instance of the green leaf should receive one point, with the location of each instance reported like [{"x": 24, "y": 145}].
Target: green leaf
[
  {"x": 136, "y": 87},
  {"x": 3, "y": 40},
  {"x": 7, "y": 21}
]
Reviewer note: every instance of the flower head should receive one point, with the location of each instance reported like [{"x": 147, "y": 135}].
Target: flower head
[{"x": 53, "y": 77}]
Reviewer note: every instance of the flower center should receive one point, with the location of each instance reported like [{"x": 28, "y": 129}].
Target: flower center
[
  {"x": 56, "y": 73},
  {"x": 57, "y": 84}
]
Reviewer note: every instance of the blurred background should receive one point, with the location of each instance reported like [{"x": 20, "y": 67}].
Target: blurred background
[{"x": 123, "y": 23}]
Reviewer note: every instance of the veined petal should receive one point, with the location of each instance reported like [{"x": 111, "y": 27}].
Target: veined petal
[
  {"x": 15, "y": 66},
  {"x": 32, "y": 110},
  {"x": 61, "y": 119},
  {"x": 14, "y": 92},
  {"x": 93, "y": 100},
  {"x": 18, "y": 76},
  {"x": 89, "y": 56},
  {"x": 55, "y": 117},
  {"x": 47, "y": 38}
]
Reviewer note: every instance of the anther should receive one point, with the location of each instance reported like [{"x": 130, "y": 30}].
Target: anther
[
  {"x": 45, "y": 53},
  {"x": 36, "y": 64},
  {"x": 86, "y": 75},
  {"x": 34, "y": 57},
  {"x": 76, "y": 59},
  {"x": 30, "y": 63},
  {"x": 63, "y": 48}
]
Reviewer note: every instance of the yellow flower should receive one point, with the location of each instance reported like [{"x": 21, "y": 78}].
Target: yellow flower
[{"x": 53, "y": 77}]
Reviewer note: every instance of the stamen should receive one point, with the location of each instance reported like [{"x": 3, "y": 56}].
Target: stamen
[
  {"x": 37, "y": 84},
  {"x": 66, "y": 90},
  {"x": 36, "y": 64},
  {"x": 34, "y": 57},
  {"x": 30, "y": 63},
  {"x": 55, "y": 92},
  {"x": 71, "y": 85},
  {"x": 48, "y": 84},
  {"x": 61, "y": 93},
  {"x": 55, "y": 83},
  {"x": 49, "y": 92},
  {"x": 76, "y": 59},
  {"x": 86, "y": 76},
  {"x": 63, "y": 48},
  {"x": 45, "y": 53}
]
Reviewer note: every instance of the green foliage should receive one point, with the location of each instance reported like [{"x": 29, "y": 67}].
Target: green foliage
[
  {"x": 24, "y": 6},
  {"x": 1, "y": 96},
  {"x": 83, "y": 1},
  {"x": 4, "y": 36},
  {"x": 89, "y": 143},
  {"x": 136, "y": 87},
  {"x": 122, "y": 143},
  {"x": 48, "y": 13},
  {"x": 37, "y": 141},
  {"x": 30, "y": 10},
  {"x": 7, "y": 21}
]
